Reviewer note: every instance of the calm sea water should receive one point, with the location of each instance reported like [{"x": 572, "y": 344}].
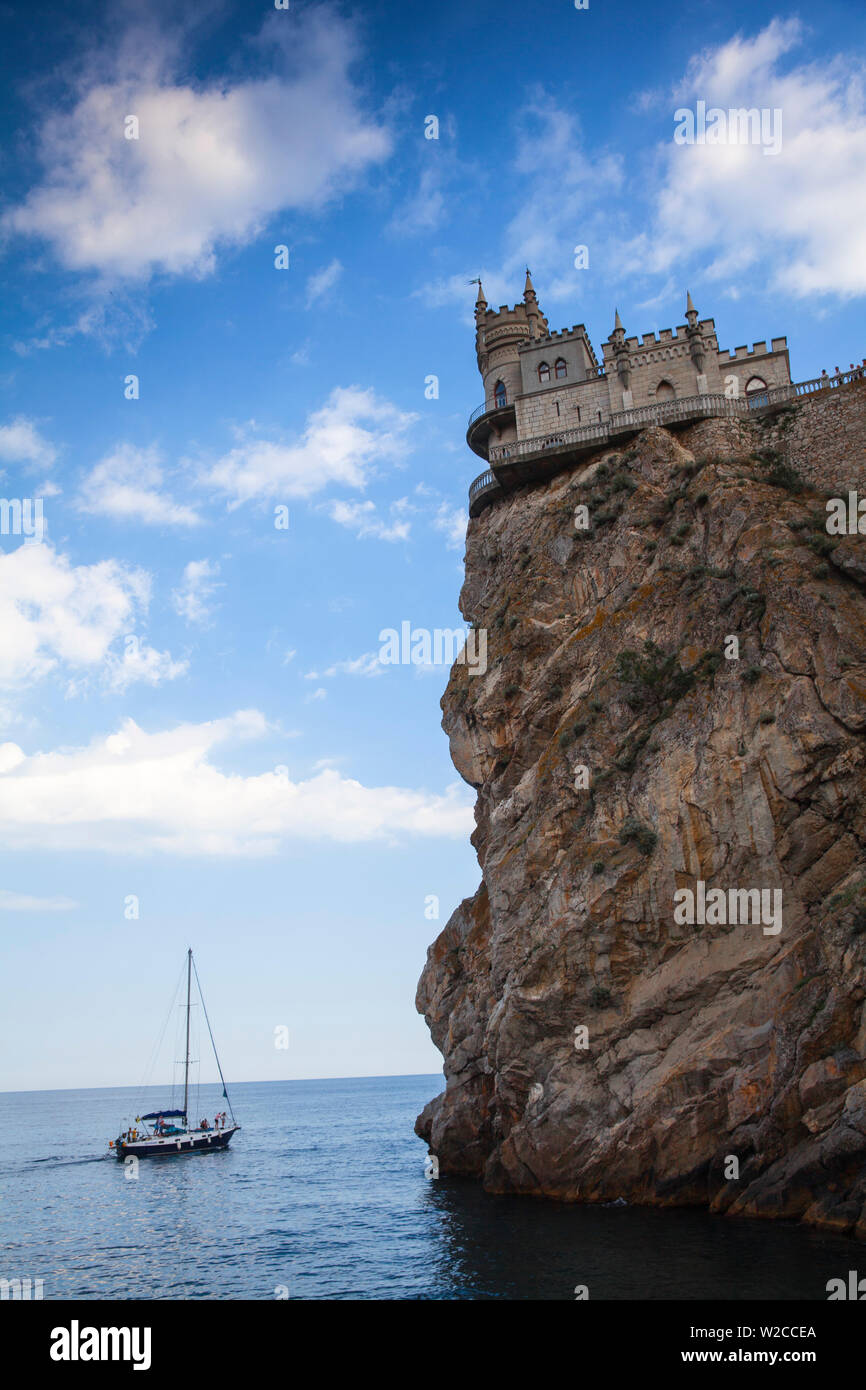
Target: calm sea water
[{"x": 323, "y": 1194}]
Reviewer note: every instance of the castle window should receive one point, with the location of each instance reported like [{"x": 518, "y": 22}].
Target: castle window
[
  {"x": 560, "y": 367},
  {"x": 543, "y": 371},
  {"x": 755, "y": 383},
  {"x": 499, "y": 393},
  {"x": 665, "y": 391}
]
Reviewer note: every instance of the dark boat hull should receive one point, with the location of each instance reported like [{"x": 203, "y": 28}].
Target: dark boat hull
[{"x": 172, "y": 1146}]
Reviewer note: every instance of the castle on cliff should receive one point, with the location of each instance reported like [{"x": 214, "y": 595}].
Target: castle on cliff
[{"x": 547, "y": 398}]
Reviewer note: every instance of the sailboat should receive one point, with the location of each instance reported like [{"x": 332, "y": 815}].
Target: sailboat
[{"x": 166, "y": 1133}]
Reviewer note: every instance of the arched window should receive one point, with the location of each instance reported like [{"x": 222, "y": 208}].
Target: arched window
[
  {"x": 665, "y": 391},
  {"x": 560, "y": 368},
  {"x": 499, "y": 393},
  {"x": 755, "y": 383},
  {"x": 543, "y": 371}
]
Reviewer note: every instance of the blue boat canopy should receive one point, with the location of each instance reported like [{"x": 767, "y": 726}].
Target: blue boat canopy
[{"x": 164, "y": 1115}]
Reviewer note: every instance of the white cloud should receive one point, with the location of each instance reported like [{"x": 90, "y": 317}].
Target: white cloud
[
  {"x": 425, "y": 210},
  {"x": 21, "y": 443},
  {"x": 363, "y": 518},
  {"x": 140, "y": 662},
  {"x": 126, "y": 485},
  {"x": 56, "y": 616},
  {"x": 25, "y": 902},
  {"x": 368, "y": 664},
  {"x": 322, "y": 282},
  {"x": 199, "y": 585},
  {"x": 212, "y": 164},
  {"x": 135, "y": 792},
  {"x": 452, "y": 522},
  {"x": 342, "y": 443},
  {"x": 795, "y": 220}
]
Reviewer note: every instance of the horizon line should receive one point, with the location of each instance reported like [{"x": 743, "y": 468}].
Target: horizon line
[{"x": 270, "y": 1081}]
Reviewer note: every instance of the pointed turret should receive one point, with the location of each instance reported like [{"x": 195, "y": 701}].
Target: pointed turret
[
  {"x": 537, "y": 321},
  {"x": 697, "y": 348},
  {"x": 620, "y": 349},
  {"x": 480, "y": 301}
]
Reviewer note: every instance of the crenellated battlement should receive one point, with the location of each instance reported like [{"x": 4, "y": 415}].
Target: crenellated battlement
[
  {"x": 577, "y": 330},
  {"x": 740, "y": 354},
  {"x": 664, "y": 337}
]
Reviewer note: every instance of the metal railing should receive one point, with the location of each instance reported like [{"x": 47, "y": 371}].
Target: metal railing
[
  {"x": 481, "y": 482},
  {"x": 487, "y": 408}
]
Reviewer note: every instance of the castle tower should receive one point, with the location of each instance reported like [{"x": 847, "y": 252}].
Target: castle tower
[{"x": 499, "y": 335}]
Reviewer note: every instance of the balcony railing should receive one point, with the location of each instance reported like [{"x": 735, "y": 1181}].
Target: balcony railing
[
  {"x": 481, "y": 482},
  {"x": 487, "y": 408}
]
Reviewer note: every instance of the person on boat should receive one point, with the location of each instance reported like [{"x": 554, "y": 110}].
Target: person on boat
[{"x": 203, "y": 1124}]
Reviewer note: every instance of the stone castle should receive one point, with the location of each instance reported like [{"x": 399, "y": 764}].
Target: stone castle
[{"x": 547, "y": 398}]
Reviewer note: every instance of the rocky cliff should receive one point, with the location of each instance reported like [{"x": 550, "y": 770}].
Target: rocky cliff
[{"x": 596, "y": 1047}]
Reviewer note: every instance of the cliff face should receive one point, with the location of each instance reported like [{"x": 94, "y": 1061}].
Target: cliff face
[{"x": 594, "y": 1046}]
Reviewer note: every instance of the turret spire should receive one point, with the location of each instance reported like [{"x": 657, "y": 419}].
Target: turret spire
[
  {"x": 537, "y": 326},
  {"x": 480, "y": 301}
]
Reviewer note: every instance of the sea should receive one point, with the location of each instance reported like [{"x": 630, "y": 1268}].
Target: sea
[{"x": 323, "y": 1195}]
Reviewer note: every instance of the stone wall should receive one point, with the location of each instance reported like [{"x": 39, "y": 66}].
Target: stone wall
[
  {"x": 579, "y": 404},
  {"x": 824, "y": 437}
]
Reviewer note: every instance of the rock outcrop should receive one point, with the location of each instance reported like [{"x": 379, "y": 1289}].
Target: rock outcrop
[{"x": 596, "y": 1047}]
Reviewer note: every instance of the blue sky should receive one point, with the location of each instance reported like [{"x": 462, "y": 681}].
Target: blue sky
[{"x": 192, "y": 708}]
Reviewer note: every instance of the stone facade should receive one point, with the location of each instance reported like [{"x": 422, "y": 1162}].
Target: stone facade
[{"x": 553, "y": 381}]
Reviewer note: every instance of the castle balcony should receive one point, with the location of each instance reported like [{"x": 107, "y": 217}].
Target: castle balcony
[
  {"x": 487, "y": 420},
  {"x": 535, "y": 460},
  {"x": 484, "y": 490}
]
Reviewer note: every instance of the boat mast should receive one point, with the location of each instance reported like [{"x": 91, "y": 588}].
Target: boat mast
[{"x": 186, "y": 1065}]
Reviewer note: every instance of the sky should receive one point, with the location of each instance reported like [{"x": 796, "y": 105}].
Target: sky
[{"x": 236, "y": 363}]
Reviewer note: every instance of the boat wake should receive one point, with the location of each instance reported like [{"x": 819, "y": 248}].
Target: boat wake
[{"x": 58, "y": 1161}]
